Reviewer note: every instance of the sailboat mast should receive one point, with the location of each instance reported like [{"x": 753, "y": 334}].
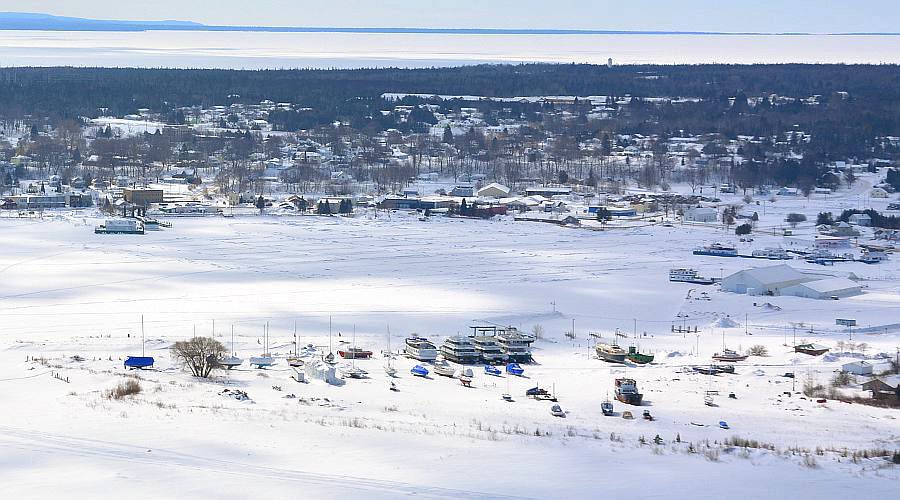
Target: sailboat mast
[
  {"x": 232, "y": 339},
  {"x": 143, "y": 342},
  {"x": 390, "y": 354},
  {"x": 329, "y": 334}
]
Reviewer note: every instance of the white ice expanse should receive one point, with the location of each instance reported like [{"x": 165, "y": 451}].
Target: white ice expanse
[
  {"x": 67, "y": 291},
  {"x": 256, "y": 50}
]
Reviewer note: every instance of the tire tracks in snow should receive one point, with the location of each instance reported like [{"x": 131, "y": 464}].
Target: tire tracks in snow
[{"x": 55, "y": 444}]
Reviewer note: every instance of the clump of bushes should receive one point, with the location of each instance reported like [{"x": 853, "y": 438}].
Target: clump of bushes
[
  {"x": 758, "y": 350},
  {"x": 128, "y": 387}
]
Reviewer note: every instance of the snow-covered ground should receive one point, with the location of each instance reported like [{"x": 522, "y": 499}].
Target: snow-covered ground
[{"x": 67, "y": 292}]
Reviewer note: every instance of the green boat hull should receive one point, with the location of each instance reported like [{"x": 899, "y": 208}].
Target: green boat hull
[
  {"x": 641, "y": 359},
  {"x": 636, "y": 357}
]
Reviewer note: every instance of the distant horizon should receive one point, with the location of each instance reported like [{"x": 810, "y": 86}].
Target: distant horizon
[{"x": 37, "y": 21}]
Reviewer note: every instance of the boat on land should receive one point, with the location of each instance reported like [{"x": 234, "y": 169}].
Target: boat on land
[
  {"x": 388, "y": 366},
  {"x": 637, "y": 357},
  {"x": 717, "y": 250},
  {"x": 557, "y": 411},
  {"x": 727, "y": 355},
  {"x": 683, "y": 275},
  {"x": 540, "y": 394},
  {"x": 772, "y": 254},
  {"x": 419, "y": 371},
  {"x": 353, "y": 352},
  {"x": 443, "y": 368},
  {"x": 420, "y": 348},
  {"x": 120, "y": 226},
  {"x": 487, "y": 348},
  {"x": 714, "y": 369},
  {"x": 491, "y": 370},
  {"x": 465, "y": 376},
  {"x": 607, "y": 408},
  {"x": 515, "y": 369},
  {"x": 627, "y": 391},
  {"x": 294, "y": 360},
  {"x": 232, "y": 361},
  {"x": 142, "y": 361},
  {"x": 811, "y": 349},
  {"x": 138, "y": 362},
  {"x": 459, "y": 349},
  {"x": 265, "y": 359},
  {"x": 354, "y": 372},
  {"x": 611, "y": 353}
]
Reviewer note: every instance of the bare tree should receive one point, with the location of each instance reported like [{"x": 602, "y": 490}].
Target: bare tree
[{"x": 200, "y": 355}]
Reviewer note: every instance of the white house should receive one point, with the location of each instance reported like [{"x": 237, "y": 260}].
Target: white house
[
  {"x": 861, "y": 367},
  {"x": 493, "y": 190},
  {"x": 700, "y": 214},
  {"x": 878, "y": 193},
  {"x": 860, "y": 220}
]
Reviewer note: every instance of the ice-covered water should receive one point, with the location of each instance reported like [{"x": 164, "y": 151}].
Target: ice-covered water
[{"x": 347, "y": 50}]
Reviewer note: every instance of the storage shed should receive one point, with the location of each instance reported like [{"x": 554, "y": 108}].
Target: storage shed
[{"x": 861, "y": 367}]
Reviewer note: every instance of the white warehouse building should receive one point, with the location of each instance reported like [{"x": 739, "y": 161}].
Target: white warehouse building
[
  {"x": 785, "y": 280},
  {"x": 829, "y": 288},
  {"x": 763, "y": 280}
]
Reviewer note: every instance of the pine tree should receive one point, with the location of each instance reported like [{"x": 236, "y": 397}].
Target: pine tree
[{"x": 448, "y": 135}]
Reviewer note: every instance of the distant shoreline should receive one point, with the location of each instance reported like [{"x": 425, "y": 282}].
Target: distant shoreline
[
  {"x": 20, "y": 21},
  {"x": 414, "y": 31}
]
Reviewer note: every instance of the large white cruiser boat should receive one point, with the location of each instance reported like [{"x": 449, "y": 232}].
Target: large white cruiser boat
[
  {"x": 688, "y": 276},
  {"x": 460, "y": 349},
  {"x": 420, "y": 348}
]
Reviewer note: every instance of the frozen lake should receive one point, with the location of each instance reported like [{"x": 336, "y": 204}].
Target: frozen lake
[{"x": 257, "y": 50}]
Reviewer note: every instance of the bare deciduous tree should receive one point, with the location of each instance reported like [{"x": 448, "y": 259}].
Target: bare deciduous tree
[{"x": 200, "y": 354}]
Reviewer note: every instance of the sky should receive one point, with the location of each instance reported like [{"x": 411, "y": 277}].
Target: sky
[{"x": 819, "y": 16}]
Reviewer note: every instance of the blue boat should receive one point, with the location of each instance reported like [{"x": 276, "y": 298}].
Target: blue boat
[
  {"x": 515, "y": 369},
  {"x": 723, "y": 424},
  {"x": 491, "y": 370},
  {"x": 419, "y": 371},
  {"x": 138, "y": 362}
]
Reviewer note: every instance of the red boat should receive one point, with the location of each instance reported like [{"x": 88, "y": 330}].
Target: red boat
[{"x": 355, "y": 353}]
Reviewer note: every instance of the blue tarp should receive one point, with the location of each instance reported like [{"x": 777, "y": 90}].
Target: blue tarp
[
  {"x": 419, "y": 371},
  {"x": 514, "y": 369},
  {"x": 491, "y": 370},
  {"x": 138, "y": 362}
]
